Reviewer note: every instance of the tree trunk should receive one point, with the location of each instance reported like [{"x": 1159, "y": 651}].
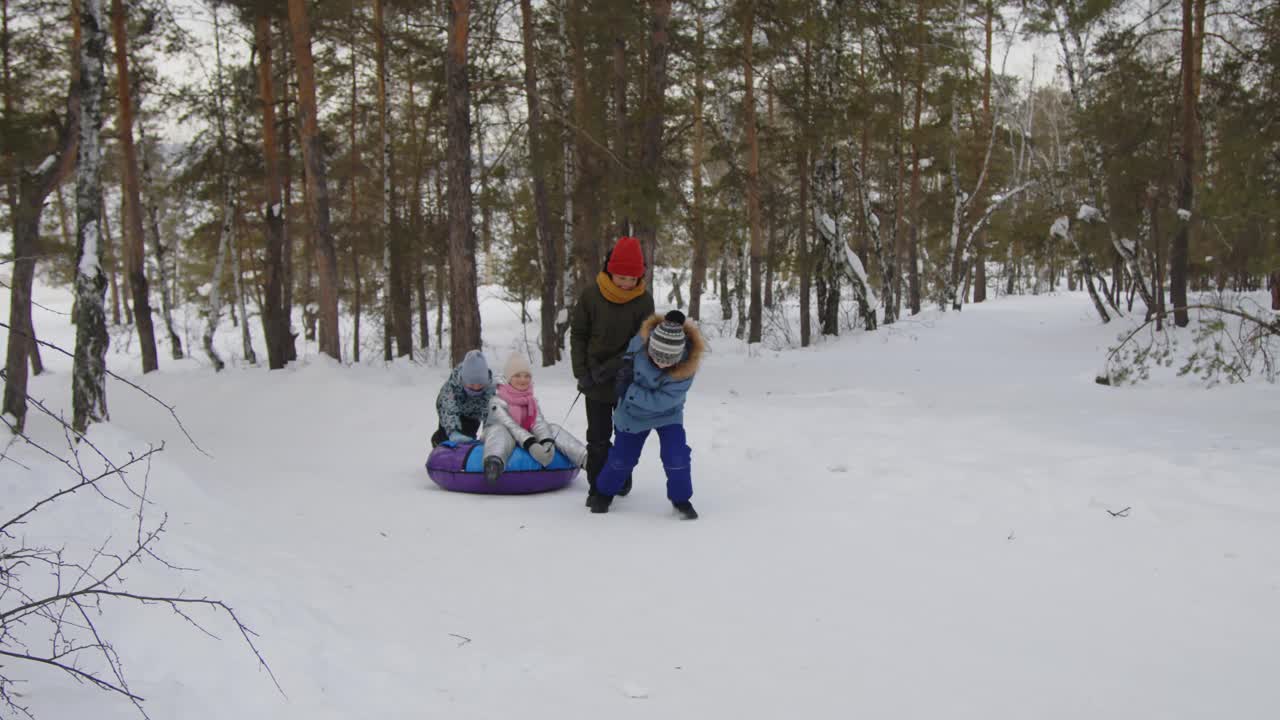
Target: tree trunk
[
  {"x": 1117, "y": 277},
  {"x": 317, "y": 184},
  {"x": 805, "y": 168},
  {"x": 806, "y": 260},
  {"x": 26, "y": 235},
  {"x": 980, "y": 240},
  {"x": 486, "y": 201},
  {"x": 275, "y": 323},
  {"x": 424, "y": 317},
  {"x": 440, "y": 295},
  {"x": 108, "y": 256},
  {"x": 161, "y": 252},
  {"x": 1179, "y": 251},
  {"x": 913, "y": 239},
  {"x": 622, "y": 191},
  {"x": 951, "y": 298},
  {"x": 1157, "y": 242},
  {"x": 753, "y": 171},
  {"x": 88, "y": 385},
  {"x": 771, "y": 218},
  {"x": 589, "y": 175},
  {"x": 27, "y": 195},
  {"x": 399, "y": 302},
  {"x": 539, "y": 167},
  {"x": 464, "y": 310},
  {"x": 568, "y": 289},
  {"x": 131, "y": 231},
  {"x": 651, "y": 140},
  {"x": 837, "y": 261},
  {"x": 417, "y": 225},
  {"x": 246, "y": 341},
  {"x": 697, "y": 227},
  {"x": 354, "y": 216},
  {"x": 125, "y": 303},
  {"x": 726, "y": 296},
  {"x": 6, "y": 97},
  {"x": 355, "y": 304},
  {"x": 309, "y": 306},
  {"x": 874, "y": 231},
  {"x": 818, "y": 264},
  {"x": 741, "y": 284},
  {"x": 286, "y": 170},
  {"x": 893, "y": 290},
  {"x": 214, "y": 313},
  {"x": 64, "y": 223},
  {"x": 831, "y": 313},
  {"x": 21, "y": 344}
]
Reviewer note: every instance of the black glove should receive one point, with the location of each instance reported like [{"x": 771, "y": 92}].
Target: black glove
[
  {"x": 607, "y": 372},
  {"x": 625, "y": 377},
  {"x": 584, "y": 384}
]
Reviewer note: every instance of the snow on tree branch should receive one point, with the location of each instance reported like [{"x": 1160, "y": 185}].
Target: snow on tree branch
[
  {"x": 1089, "y": 213},
  {"x": 1061, "y": 228}
]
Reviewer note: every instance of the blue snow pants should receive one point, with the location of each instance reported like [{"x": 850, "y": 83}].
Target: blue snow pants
[{"x": 625, "y": 454}]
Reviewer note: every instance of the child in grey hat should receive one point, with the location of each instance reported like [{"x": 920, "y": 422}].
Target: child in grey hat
[{"x": 463, "y": 402}]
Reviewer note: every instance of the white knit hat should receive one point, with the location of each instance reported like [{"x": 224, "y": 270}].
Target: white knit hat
[{"x": 517, "y": 364}]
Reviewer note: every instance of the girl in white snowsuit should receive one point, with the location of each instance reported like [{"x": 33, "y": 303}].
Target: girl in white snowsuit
[{"x": 515, "y": 419}]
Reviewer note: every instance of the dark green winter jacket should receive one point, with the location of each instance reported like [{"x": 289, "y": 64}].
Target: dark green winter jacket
[{"x": 598, "y": 337}]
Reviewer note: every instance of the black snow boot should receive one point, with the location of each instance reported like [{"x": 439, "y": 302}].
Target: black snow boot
[
  {"x": 493, "y": 468},
  {"x": 599, "y": 503},
  {"x": 686, "y": 510}
]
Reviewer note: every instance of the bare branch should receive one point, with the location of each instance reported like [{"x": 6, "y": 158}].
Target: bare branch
[
  {"x": 172, "y": 411},
  {"x": 74, "y": 672},
  {"x": 78, "y": 486}
]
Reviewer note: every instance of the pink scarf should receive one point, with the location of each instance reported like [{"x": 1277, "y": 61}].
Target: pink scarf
[{"x": 523, "y": 407}]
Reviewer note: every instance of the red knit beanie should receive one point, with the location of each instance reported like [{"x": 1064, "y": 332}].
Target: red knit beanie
[{"x": 626, "y": 258}]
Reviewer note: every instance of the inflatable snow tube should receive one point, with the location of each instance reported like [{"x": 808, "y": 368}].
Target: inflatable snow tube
[{"x": 460, "y": 468}]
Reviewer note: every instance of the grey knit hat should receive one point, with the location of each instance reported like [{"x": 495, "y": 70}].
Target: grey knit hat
[
  {"x": 667, "y": 341},
  {"x": 474, "y": 370}
]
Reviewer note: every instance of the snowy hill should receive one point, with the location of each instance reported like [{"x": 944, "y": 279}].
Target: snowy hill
[{"x": 944, "y": 518}]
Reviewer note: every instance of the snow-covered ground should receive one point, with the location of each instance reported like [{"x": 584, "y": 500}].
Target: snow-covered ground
[{"x": 911, "y": 523}]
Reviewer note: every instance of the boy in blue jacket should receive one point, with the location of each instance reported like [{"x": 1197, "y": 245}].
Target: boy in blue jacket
[{"x": 653, "y": 383}]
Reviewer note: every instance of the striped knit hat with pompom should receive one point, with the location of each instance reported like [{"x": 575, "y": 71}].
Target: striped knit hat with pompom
[{"x": 667, "y": 341}]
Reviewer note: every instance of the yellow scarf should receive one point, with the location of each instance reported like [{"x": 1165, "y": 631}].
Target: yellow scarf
[{"x": 615, "y": 294}]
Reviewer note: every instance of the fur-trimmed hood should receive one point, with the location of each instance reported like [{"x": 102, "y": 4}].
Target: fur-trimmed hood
[{"x": 695, "y": 348}]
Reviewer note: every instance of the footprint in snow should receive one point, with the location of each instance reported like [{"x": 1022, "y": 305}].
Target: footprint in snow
[{"x": 634, "y": 691}]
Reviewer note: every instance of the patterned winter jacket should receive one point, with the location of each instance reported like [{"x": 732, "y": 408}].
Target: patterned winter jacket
[
  {"x": 454, "y": 403},
  {"x": 655, "y": 397}
]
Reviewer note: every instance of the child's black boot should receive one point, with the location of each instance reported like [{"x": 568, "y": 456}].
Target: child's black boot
[
  {"x": 599, "y": 503},
  {"x": 686, "y": 510},
  {"x": 493, "y": 468}
]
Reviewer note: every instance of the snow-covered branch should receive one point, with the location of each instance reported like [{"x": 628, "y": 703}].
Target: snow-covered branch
[{"x": 997, "y": 201}]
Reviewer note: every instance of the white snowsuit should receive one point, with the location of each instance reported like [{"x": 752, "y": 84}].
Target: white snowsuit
[{"x": 502, "y": 435}]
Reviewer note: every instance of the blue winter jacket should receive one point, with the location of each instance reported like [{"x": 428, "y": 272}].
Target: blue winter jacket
[{"x": 655, "y": 397}]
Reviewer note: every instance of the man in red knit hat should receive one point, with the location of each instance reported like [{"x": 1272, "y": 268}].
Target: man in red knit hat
[{"x": 607, "y": 315}]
